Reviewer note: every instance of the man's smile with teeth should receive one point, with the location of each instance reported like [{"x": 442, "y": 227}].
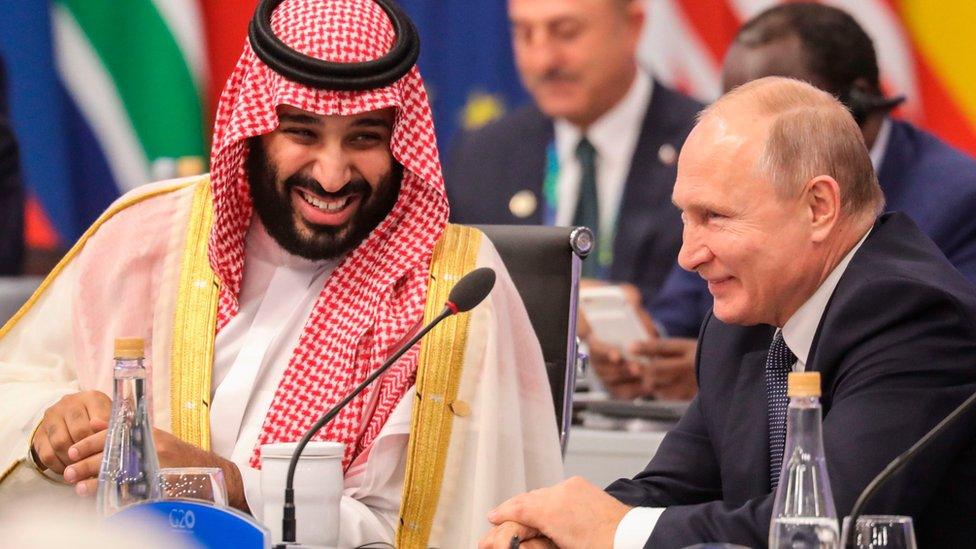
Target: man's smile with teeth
[{"x": 325, "y": 205}]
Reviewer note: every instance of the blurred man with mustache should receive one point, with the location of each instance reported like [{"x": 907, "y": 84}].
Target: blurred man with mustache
[
  {"x": 268, "y": 290},
  {"x": 598, "y": 147}
]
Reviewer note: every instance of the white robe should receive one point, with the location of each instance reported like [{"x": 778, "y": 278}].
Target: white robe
[
  {"x": 506, "y": 446},
  {"x": 251, "y": 354}
]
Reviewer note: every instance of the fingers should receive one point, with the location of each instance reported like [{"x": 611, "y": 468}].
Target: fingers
[
  {"x": 98, "y": 405},
  {"x": 66, "y": 422},
  {"x": 88, "y": 446},
  {"x": 602, "y": 351},
  {"x": 78, "y": 423},
  {"x": 612, "y": 373},
  {"x": 87, "y": 488},
  {"x": 608, "y": 363},
  {"x": 627, "y": 390},
  {"x": 670, "y": 377},
  {"x": 83, "y": 470},
  {"x": 615, "y": 374},
  {"x": 537, "y": 543},
  {"x": 525, "y": 509},
  {"x": 672, "y": 346},
  {"x": 670, "y": 367},
  {"x": 56, "y": 432},
  {"x": 501, "y": 536},
  {"x": 46, "y": 455}
]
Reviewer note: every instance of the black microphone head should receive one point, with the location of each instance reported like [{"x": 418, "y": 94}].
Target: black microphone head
[{"x": 471, "y": 290}]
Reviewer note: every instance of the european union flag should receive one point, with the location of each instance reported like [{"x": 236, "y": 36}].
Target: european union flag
[{"x": 466, "y": 61}]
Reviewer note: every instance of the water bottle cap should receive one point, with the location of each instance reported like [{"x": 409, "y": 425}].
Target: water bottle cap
[
  {"x": 803, "y": 384},
  {"x": 129, "y": 347}
]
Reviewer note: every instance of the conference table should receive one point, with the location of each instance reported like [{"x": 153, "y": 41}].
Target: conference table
[
  {"x": 614, "y": 439},
  {"x": 602, "y": 456}
]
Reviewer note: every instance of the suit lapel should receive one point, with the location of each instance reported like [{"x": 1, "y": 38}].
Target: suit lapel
[
  {"x": 746, "y": 450},
  {"x": 649, "y": 181},
  {"x": 528, "y": 168}
]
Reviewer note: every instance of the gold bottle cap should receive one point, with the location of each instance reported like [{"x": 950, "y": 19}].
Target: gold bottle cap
[
  {"x": 129, "y": 347},
  {"x": 803, "y": 384}
]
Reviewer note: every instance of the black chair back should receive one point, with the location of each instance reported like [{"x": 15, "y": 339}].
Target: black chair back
[{"x": 544, "y": 263}]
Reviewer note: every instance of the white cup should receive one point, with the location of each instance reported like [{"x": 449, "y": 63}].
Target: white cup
[{"x": 318, "y": 489}]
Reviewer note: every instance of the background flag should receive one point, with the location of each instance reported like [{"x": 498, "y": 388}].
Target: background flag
[{"x": 109, "y": 95}]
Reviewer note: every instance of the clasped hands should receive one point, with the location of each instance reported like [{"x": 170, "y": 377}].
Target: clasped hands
[
  {"x": 571, "y": 514},
  {"x": 71, "y": 436}
]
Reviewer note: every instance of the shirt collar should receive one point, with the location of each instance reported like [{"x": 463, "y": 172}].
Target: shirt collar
[
  {"x": 880, "y": 146},
  {"x": 615, "y": 129},
  {"x": 799, "y": 330}
]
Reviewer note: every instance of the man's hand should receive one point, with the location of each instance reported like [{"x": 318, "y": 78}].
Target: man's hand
[
  {"x": 66, "y": 423},
  {"x": 668, "y": 369},
  {"x": 664, "y": 369},
  {"x": 621, "y": 378},
  {"x": 573, "y": 513},
  {"x": 505, "y": 533},
  {"x": 86, "y": 459}
]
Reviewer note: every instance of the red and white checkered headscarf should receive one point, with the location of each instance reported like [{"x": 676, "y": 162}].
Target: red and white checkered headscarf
[{"x": 375, "y": 298}]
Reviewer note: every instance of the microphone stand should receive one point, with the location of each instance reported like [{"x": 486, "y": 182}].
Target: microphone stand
[
  {"x": 288, "y": 515},
  {"x": 898, "y": 463}
]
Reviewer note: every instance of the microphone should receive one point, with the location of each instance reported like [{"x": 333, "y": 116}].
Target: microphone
[
  {"x": 896, "y": 464},
  {"x": 471, "y": 290}
]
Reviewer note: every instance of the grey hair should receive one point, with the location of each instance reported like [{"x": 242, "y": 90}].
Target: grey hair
[{"x": 811, "y": 134}]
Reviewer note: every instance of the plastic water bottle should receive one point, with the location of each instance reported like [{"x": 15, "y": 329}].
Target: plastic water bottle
[
  {"x": 804, "y": 516},
  {"x": 129, "y": 462}
]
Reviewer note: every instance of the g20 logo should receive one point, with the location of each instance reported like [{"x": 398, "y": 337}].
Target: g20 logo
[{"x": 182, "y": 519}]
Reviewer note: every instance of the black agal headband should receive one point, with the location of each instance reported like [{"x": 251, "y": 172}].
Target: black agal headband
[{"x": 327, "y": 75}]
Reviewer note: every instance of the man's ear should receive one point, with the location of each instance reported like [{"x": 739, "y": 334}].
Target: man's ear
[
  {"x": 636, "y": 18},
  {"x": 822, "y": 202}
]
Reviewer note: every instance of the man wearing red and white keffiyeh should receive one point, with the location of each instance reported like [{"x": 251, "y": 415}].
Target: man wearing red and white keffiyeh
[
  {"x": 327, "y": 204},
  {"x": 327, "y": 180}
]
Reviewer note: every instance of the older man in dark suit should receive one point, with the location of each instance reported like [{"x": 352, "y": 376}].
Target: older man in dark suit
[
  {"x": 780, "y": 206},
  {"x": 598, "y": 147},
  {"x": 11, "y": 191},
  {"x": 920, "y": 175}
]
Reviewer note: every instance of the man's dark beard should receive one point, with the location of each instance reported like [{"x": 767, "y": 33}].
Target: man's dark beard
[{"x": 273, "y": 205}]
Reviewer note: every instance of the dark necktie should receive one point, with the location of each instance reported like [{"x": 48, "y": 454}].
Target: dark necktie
[
  {"x": 587, "y": 207},
  {"x": 779, "y": 362}
]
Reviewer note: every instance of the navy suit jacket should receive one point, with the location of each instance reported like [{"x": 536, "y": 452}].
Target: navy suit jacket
[
  {"x": 11, "y": 191},
  {"x": 932, "y": 182},
  {"x": 896, "y": 349},
  {"x": 485, "y": 168}
]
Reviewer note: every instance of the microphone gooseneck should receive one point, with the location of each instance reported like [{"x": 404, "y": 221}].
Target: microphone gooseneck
[
  {"x": 471, "y": 290},
  {"x": 899, "y": 462}
]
